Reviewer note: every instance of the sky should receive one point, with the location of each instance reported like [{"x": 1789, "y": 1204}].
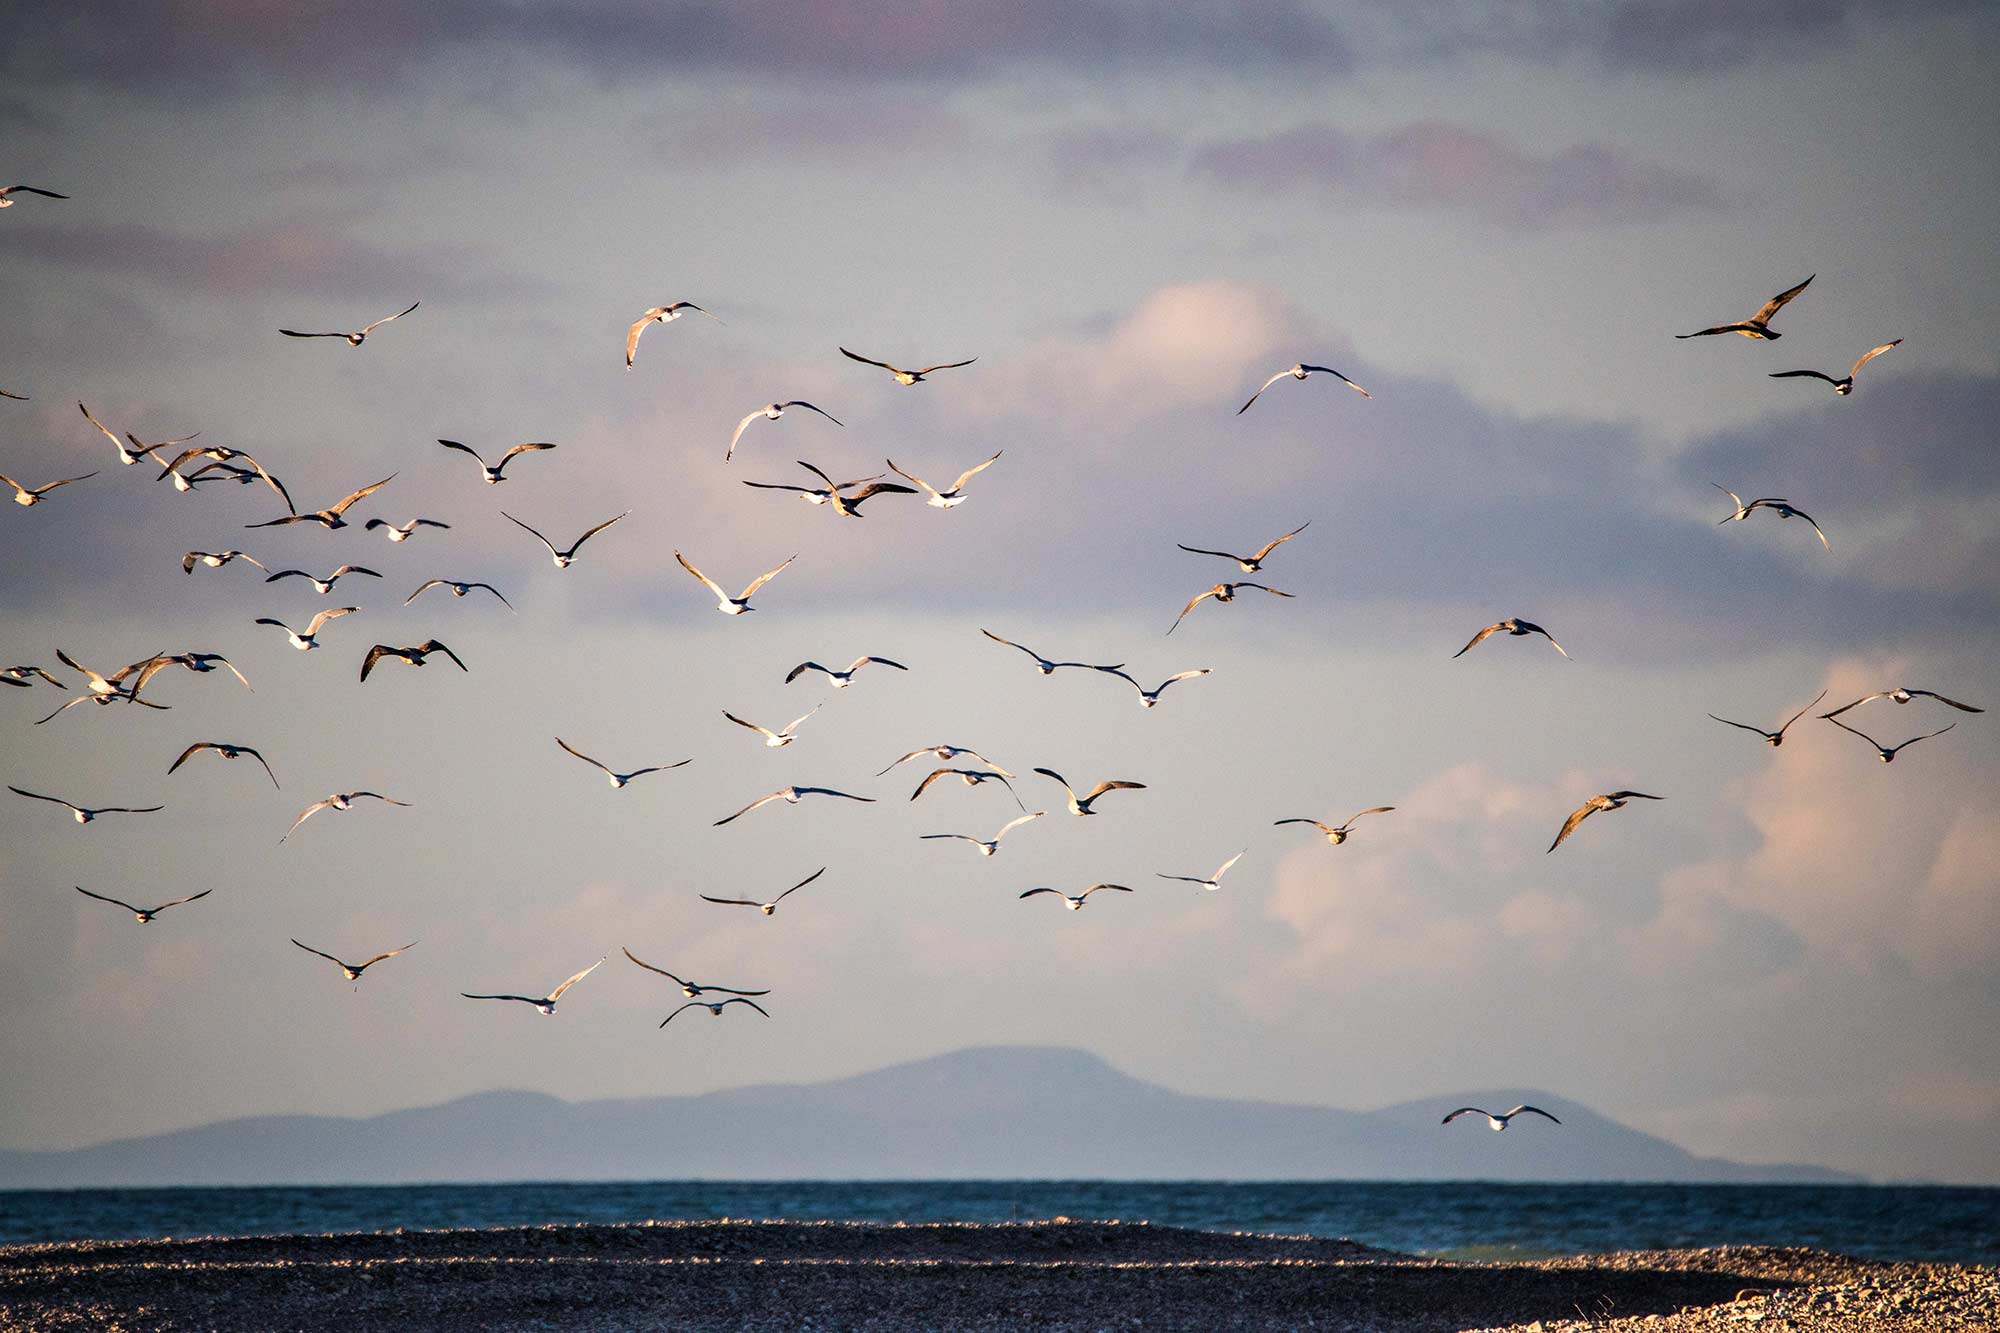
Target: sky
[{"x": 1491, "y": 219}]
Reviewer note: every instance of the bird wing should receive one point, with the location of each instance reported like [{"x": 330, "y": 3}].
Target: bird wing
[
  {"x": 556, "y": 994},
  {"x": 972, "y": 472},
  {"x": 632, "y": 337},
  {"x": 1223, "y": 869},
  {"x": 581, "y": 755},
  {"x": 1870, "y": 355},
  {"x": 860, "y": 662},
  {"x": 361, "y": 494},
  {"x": 800, "y": 885},
  {"x": 375, "y": 796},
  {"x": 179, "y": 901},
  {"x": 386, "y": 318},
  {"x": 1178, "y": 676},
  {"x": 1329, "y": 370},
  {"x": 906, "y": 758},
  {"x": 752, "y": 725},
  {"x": 867, "y": 360},
  {"x": 1262, "y": 588},
  {"x": 531, "y": 448},
  {"x": 691, "y": 1004},
  {"x": 291, "y": 333},
  {"x": 1795, "y": 717},
  {"x": 765, "y": 578},
  {"x": 1634, "y": 795},
  {"x": 924, "y": 786},
  {"x": 1933, "y": 694},
  {"x": 524, "y": 999},
  {"x": 308, "y": 813},
  {"x": 711, "y": 584},
  {"x": 1196, "y": 550},
  {"x": 1581, "y": 813},
  {"x": 795, "y": 721},
  {"x": 1296, "y": 820},
  {"x": 1869, "y": 698},
  {"x": 761, "y": 800},
  {"x": 1095, "y": 887},
  {"x": 910, "y": 476},
  {"x": 1276, "y": 542},
  {"x": 1057, "y": 892},
  {"x": 358, "y": 569},
  {"x": 44, "y": 490},
  {"x": 1844, "y": 727},
  {"x": 380, "y": 956},
  {"x": 46, "y": 194},
  {"x": 1744, "y": 726},
  {"x": 101, "y": 898},
  {"x": 829, "y": 791},
  {"x": 741, "y": 426},
  {"x": 1480, "y": 638},
  {"x": 947, "y": 365},
  {"x": 1529, "y": 1110},
  {"x": 578, "y": 543},
  {"x": 1533, "y": 628},
  {"x": 1010, "y": 825},
  {"x": 1260, "y": 390},
  {"x": 800, "y": 402},
  {"x": 1803, "y": 374},
  {"x": 1463, "y": 1110},
  {"x": 1905, "y": 745},
  {"x": 187, "y": 753},
  {"x": 801, "y": 669},
  {"x": 1372, "y": 810},
  {"x": 1011, "y": 644},
  {"x": 265, "y": 762},
  {"x": 537, "y": 536},
  {"x": 1103, "y": 787},
  {"x": 732, "y": 902},
  {"x": 329, "y": 957},
  {"x": 429, "y": 646},
  {"x": 54, "y": 800},
  {"x": 1193, "y": 602},
  {"x": 650, "y": 968},
  {"x": 464, "y": 449},
  {"x": 433, "y": 583},
  {"x": 738, "y": 999},
  {"x": 1815, "y": 527},
  {"x": 1768, "y": 311},
  {"x": 331, "y": 613},
  {"x": 1051, "y": 773}
]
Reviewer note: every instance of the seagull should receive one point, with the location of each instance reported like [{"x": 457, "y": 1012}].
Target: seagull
[
  {"x": 1221, "y": 592},
  {"x": 971, "y": 777},
  {"x": 781, "y": 737},
  {"x": 7, "y": 202},
  {"x": 84, "y": 814},
  {"x": 1902, "y": 696},
  {"x": 1149, "y": 698},
  {"x": 325, "y": 585},
  {"x": 1043, "y": 664},
  {"x": 792, "y": 796},
  {"x": 1759, "y": 324},
  {"x": 946, "y": 499},
  {"x": 416, "y": 657},
  {"x": 131, "y": 455},
  {"x": 618, "y": 779},
  {"x": 458, "y": 590},
  {"x": 1075, "y": 901},
  {"x": 947, "y": 753},
  {"x": 689, "y": 988},
  {"x": 492, "y": 471},
  {"x": 329, "y": 518},
  {"x": 841, "y": 679},
  {"x": 986, "y": 846},
  {"x": 733, "y": 606},
  {"x": 145, "y": 915},
  {"x": 340, "y": 800},
  {"x": 1512, "y": 625},
  {"x": 128, "y": 696},
  {"x": 847, "y": 506},
  {"x": 227, "y": 751},
  {"x": 1782, "y": 508},
  {"x": 199, "y": 663},
  {"x": 812, "y": 495},
  {"x": 1499, "y": 1122},
  {"x": 770, "y": 908},
  {"x": 102, "y": 685},
  {"x": 1774, "y": 738},
  {"x": 1336, "y": 836},
  {"x": 353, "y": 339},
  {"x": 1843, "y": 387},
  {"x": 659, "y": 314},
  {"x": 562, "y": 558},
  {"x": 19, "y": 675},
  {"x": 220, "y": 456},
  {"x": 1082, "y": 807},
  {"x": 1250, "y": 564},
  {"x": 714, "y": 1008},
  {"x": 1299, "y": 372},
  {"x": 1609, "y": 801},
  {"x": 1214, "y": 881},
  {"x": 24, "y": 495},
  {"x": 400, "y": 532},
  {"x": 906, "y": 377},
  {"x": 353, "y": 971},
  {"x": 309, "y": 640},
  {"x": 1888, "y": 754},
  {"x": 547, "y": 1004},
  {"x": 217, "y": 559},
  {"x": 771, "y": 412}
]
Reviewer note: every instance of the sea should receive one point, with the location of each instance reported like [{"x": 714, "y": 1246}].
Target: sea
[{"x": 1448, "y": 1219}]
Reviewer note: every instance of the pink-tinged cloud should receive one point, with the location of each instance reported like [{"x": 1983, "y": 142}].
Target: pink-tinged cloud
[
  {"x": 1438, "y": 167},
  {"x": 816, "y": 125}
]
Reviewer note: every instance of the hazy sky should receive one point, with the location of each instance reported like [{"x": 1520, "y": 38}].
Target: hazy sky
[{"x": 1131, "y": 215}]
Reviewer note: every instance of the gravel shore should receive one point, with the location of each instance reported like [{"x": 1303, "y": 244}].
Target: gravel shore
[{"x": 1058, "y": 1275}]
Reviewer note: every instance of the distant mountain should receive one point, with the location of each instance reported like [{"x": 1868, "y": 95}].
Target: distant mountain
[{"x": 1005, "y": 1112}]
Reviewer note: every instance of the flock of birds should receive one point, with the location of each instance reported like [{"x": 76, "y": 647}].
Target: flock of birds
[{"x": 208, "y": 464}]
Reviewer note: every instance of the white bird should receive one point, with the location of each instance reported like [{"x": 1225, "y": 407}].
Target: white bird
[
  {"x": 416, "y": 657},
  {"x": 401, "y": 532},
  {"x": 986, "y": 846},
  {"x": 562, "y": 558},
  {"x": 841, "y": 679},
  {"x": 1782, "y": 508},
  {"x": 1221, "y": 592},
  {"x": 1513, "y": 625},
  {"x": 115, "y": 696},
  {"x": 772, "y": 412},
  {"x": 217, "y": 559},
  {"x": 491, "y": 472},
  {"x": 128, "y": 455},
  {"x": 19, "y": 675},
  {"x": 1773, "y": 738},
  {"x": 1759, "y": 324},
  {"x": 353, "y": 339},
  {"x": 1902, "y": 695},
  {"x": 340, "y": 800},
  {"x": 689, "y": 988},
  {"x": 6, "y": 201},
  {"x": 1075, "y": 901},
  {"x": 223, "y": 458},
  {"x": 104, "y": 685},
  {"x": 1150, "y": 698},
  {"x": 331, "y": 517},
  {"x": 1212, "y": 882},
  {"x": 198, "y": 663},
  {"x": 1843, "y": 387},
  {"x": 458, "y": 590},
  {"x": 1887, "y": 754},
  {"x": 227, "y": 751},
  {"x": 1498, "y": 1122},
  {"x": 971, "y": 777},
  {"x": 733, "y": 606},
  {"x": 1043, "y": 664},
  {"x": 947, "y": 753},
  {"x": 906, "y": 377},
  {"x": 791, "y": 796},
  {"x": 955, "y": 495},
  {"x": 618, "y": 779},
  {"x": 1299, "y": 372},
  {"x": 547, "y": 1004},
  {"x": 310, "y": 639},
  {"x": 1609, "y": 801},
  {"x": 24, "y": 495},
  {"x": 83, "y": 813},
  {"x": 769, "y": 908},
  {"x": 774, "y": 739},
  {"x": 847, "y": 506},
  {"x": 145, "y": 915},
  {"x": 715, "y": 1008},
  {"x": 353, "y": 971},
  {"x": 1250, "y": 564},
  {"x": 659, "y": 314},
  {"x": 325, "y": 585},
  {"x": 1082, "y": 807},
  {"x": 1335, "y": 835}
]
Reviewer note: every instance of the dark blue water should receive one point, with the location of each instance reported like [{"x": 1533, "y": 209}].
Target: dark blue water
[{"x": 1467, "y": 1219}]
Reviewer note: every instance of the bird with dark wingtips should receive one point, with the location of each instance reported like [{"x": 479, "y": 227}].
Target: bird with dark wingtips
[
  {"x": 770, "y": 908},
  {"x": 1759, "y": 324},
  {"x": 416, "y": 657},
  {"x": 353, "y": 339},
  {"x": 1299, "y": 372},
  {"x": 1513, "y": 625},
  {"x": 1609, "y": 801},
  {"x": 1843, "y": 387},
  {"x": 906, "y": 377}
]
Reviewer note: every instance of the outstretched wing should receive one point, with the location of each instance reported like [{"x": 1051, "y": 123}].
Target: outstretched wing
[
  {"x": 1329, "y": 370},
  {"x": 387, "y": 318},
  {"x": 1260, "y": 391},
  {"x": 1767, "y": 311},
  {"x": 556, "y": 994}
]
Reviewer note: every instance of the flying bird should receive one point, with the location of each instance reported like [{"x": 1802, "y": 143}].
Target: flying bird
[
  {"x": 1082, "y": 807},
  {"x": 1759, "y": 324},
  {"x": 145, "y": 915},
  {"x": 841, "y": 679},
  {"x": 353, "y": 971},
  {"x": 791, "y": 796},
  {"x": 1221, "y": 592},
  {"x": 353, "y": 339},
  {"x": 1773, "y": 738},
  {"x": 331, "y": 517},
  {"x": 947, "y": 753},
  {"x": 458, "y": 590},
  {"x": 325, "y": 585},
  {"x": 547, "y": 1004},
  {"x": 775, "y": 739},
  {"x": 1212, "y": 882},
  {"x": 1336, "y": 835},
  {"x": 772, "y": 412},
  {"x": 491, "y": 472},
  {"x": 1843, "y": 387},
  {"x": 986, "y": 846},
  {"x": 733, "y": 606},
  {"x": 19, "y": 675},
  {"x": 1512, "y": 625},
  {"x": 220, "y": 457},
  {"x": 1609, "y": 801},
  {"x": 1043, "y": 664},
  {"x": 689, "y": 988},
  {"x": 217, "y": 559},
  {"x": 310, "y": 639},
  {"x": 133, "y": 453},
  {"x": 1902, "y": 696},
  {"x": 971, "y": 777},
  {"x": 401, "y": 532},
  {"x": 659, "y": 314},
  {"x": 340, "y": 800},
  {"x": 952, "y": 497},
  {"x": 1299, "y": 372},
  {"x": 562, "y": 558},
  {"x": 1250, "y": 564},
  {"x": 1075, "y": 901},
  {"x": 1887, "y": 754},
  {"x": 199, "y": 663},
  {"x": 906, "y": 377},
  {"x": 83, "y": 813},
  {"x": 227, "y": 752},
  {"x": 1782, "y": 508},
  {"x": 1149, "y": 698},
  {"x": 618, "y": 779},
  {"x": 24, "y": 495},
  {"x": 1499, "y": 1122},
  {"x": 769, "y": 908},
  {"x": 6, "y": 199},
  {"x": 847, "y": 506},
  {"x": 714, "y": 1008},
  {"x": 416, "y": 657}
]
